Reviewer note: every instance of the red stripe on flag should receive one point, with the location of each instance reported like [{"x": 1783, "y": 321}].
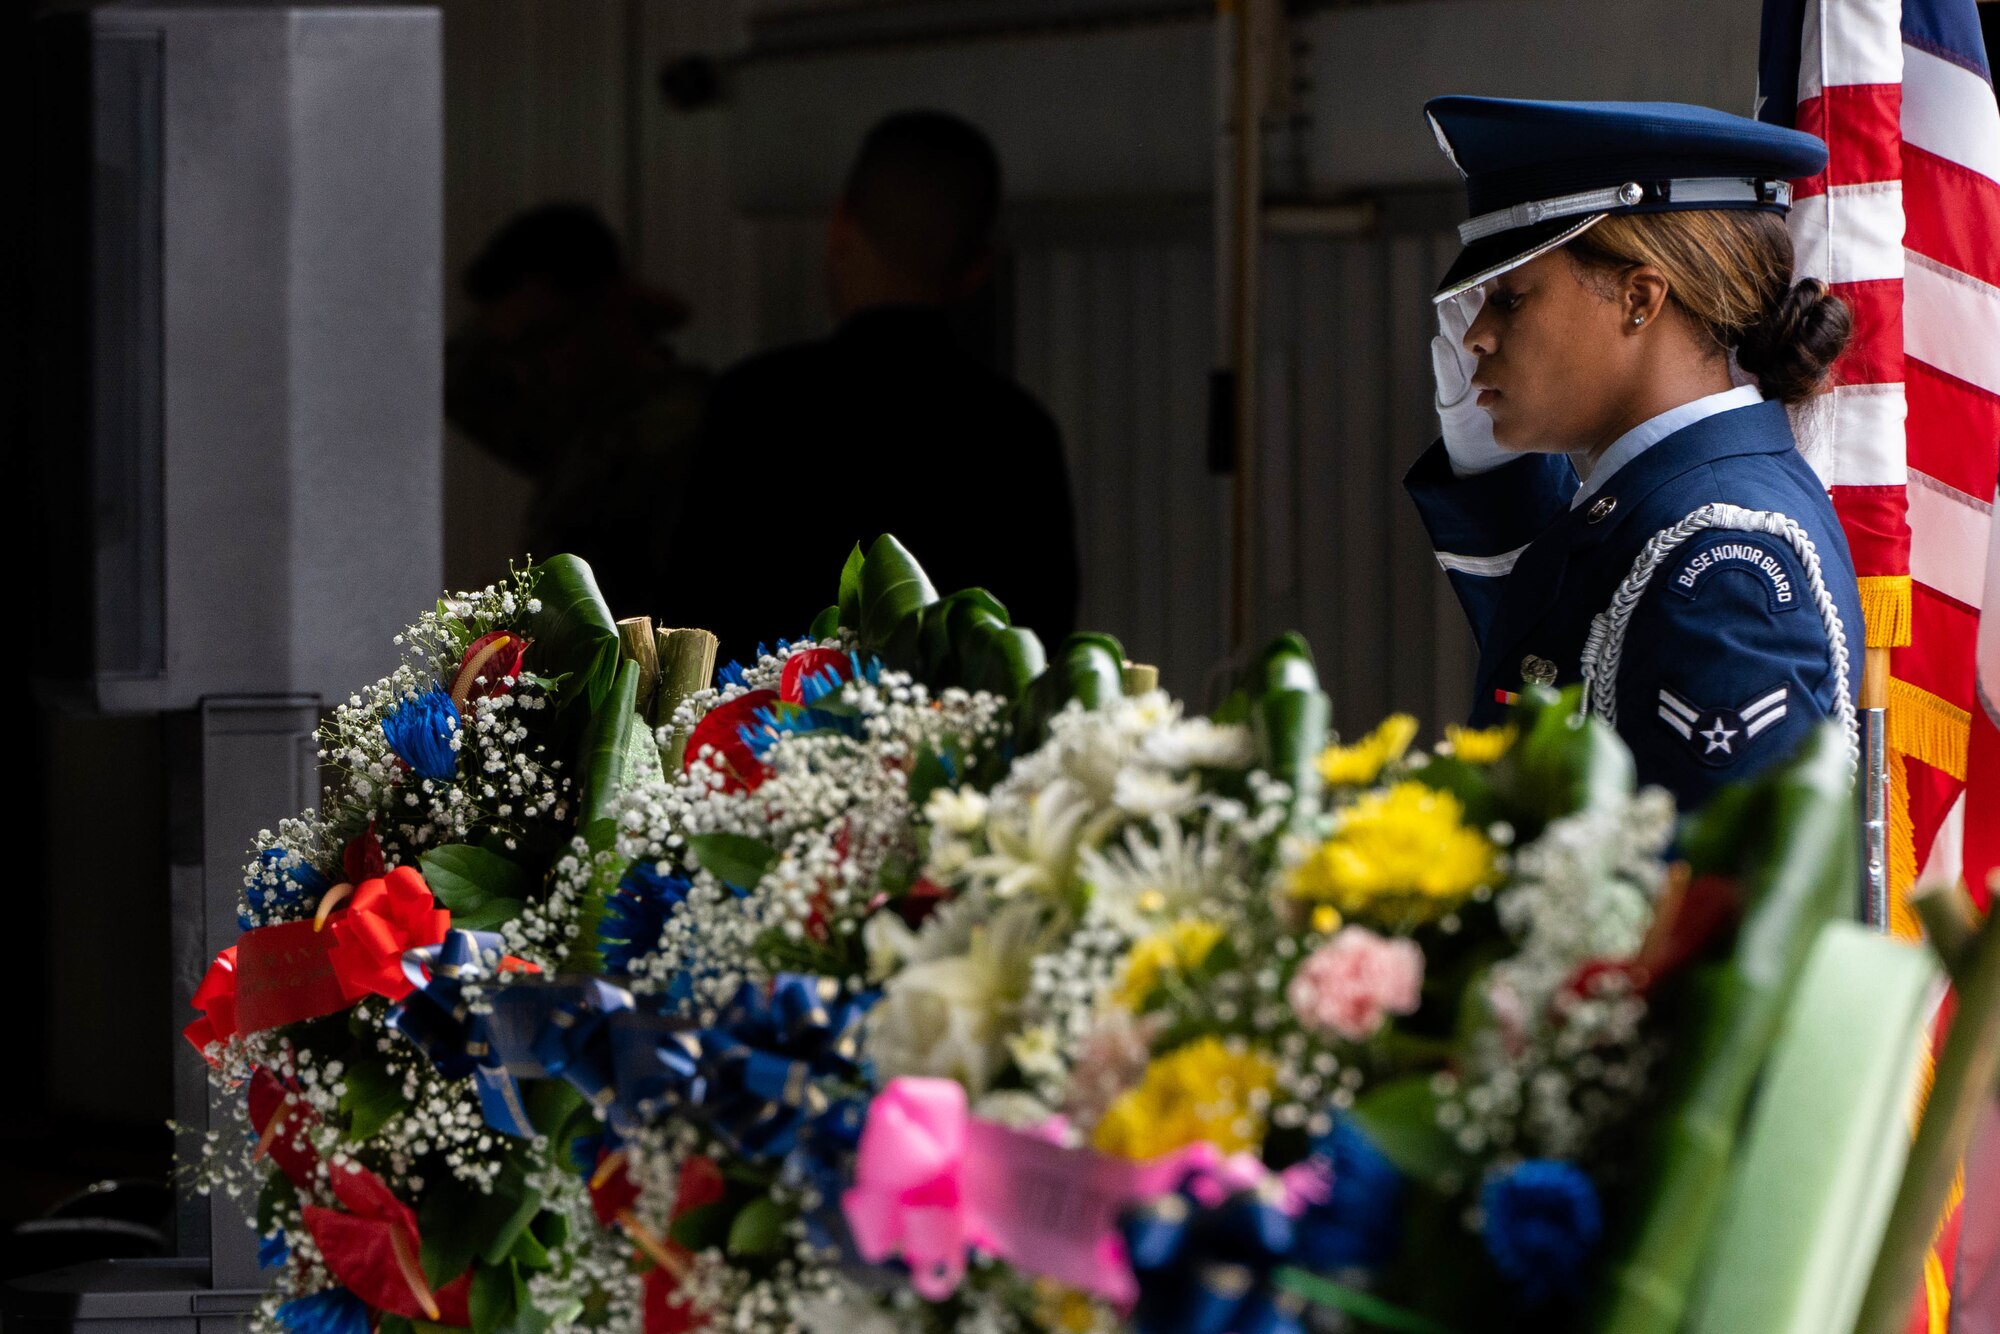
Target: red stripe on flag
[
  {"x": 1862, "y": 124},
  {"x": 1939, "y": 655},
  {"x": 1875, "y": 354},
  {"x": 1875, "y": 519},
  {"x": 1954, "y": 430},
  {"x": 1951, "y": 214}
]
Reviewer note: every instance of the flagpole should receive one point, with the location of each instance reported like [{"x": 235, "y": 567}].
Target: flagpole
[{"x": 1875, "y": 788}]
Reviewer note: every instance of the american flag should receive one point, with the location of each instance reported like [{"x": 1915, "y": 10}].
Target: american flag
[{"x": 1905, "y": 224}]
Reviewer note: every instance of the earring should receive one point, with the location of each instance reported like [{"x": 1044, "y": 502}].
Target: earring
[{"x": 1638, "y": 319}]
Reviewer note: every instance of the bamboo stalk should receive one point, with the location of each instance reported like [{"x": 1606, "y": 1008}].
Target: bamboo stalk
[
  {"x": 1967, "y": 1071},
  {"x": 635, "y": 641},
  {"x": 687, "y": 664}
]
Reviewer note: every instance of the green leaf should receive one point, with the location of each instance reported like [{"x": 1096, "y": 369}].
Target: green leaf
[
  {"x": 825, "y": 625},
  {"x": 465, "y": 878},
  {"x": 574, "y": 633},
  {"x": 276, "y": 1196},
  {"x": 759, "y": 1228},
  {"x": 371, "y": 1097},
  {"x": 447, "y": 1218},
  {"x": 511, "y": 1226},
  {"x": 737, "y": 860},
  {"x": 1401, "y": 1118},
  {"x": 530, "y": 1253},
  {"x": 395, "y": 1324},
  {"x": 492, "y": 1298},
  {"x": 606, "y": 751},
  {"x": 847, "y": 604},
  {"x": 893, "y": 588},
  {"x": 556, "y": 1109},
  {"x": 927, "y": 775},
  {"x": 488, "y": 915},
  {"x": 1566, "y": 763},
  {"x": 701, "y": 1227}
]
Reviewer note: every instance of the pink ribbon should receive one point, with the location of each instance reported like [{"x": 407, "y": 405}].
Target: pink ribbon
[
  {"x": 930, "y": 1181},
  {"x": 908, "y": 1196}
]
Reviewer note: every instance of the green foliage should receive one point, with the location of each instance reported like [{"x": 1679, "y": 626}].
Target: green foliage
[
  {"x": 1564, "y": 762},
  {"x": 1791, "y": 839},
  {"x": 480, "y": 887},
  {"x": 575, "y": 637},
  {"x": 737, "y": 860},
  {"x": 758, "y": 1228},
  {"x": 372, "y": 1096},
  {"x": 1401, "y": 1118}
]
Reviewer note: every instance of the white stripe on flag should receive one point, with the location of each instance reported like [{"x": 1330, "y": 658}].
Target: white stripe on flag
[
  {"x": 1853, "y": 436},
  {"x": 1949, "y": 321},
  {"x": 1948, "y": 110},
  {"x": 1862, "y": 43},
  {"x": 1950, "y": 552},
  {"x": 1850, "y": 234}
]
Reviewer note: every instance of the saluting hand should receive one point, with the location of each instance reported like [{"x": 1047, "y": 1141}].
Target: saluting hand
[{"x": 1468, "y": 431}]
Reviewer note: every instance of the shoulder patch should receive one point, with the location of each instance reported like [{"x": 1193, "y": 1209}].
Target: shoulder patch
[
  {"x": 1710, "y": 554},
  {"x": 1717, "y": 737}
]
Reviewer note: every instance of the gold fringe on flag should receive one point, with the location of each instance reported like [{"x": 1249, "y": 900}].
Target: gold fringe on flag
[
  {"x": 1928, "y": 728},
  {"x": 1885, "y": 607}
]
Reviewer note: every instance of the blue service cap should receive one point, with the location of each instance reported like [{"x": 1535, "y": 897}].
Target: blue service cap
[{"x": 1538, "y": 174}]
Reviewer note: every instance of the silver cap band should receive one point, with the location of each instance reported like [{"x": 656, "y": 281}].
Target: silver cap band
[{"x": 1688, "y": 190}]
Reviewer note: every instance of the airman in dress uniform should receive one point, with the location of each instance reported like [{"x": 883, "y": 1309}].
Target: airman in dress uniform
[{"x": 1617, "y": 498}]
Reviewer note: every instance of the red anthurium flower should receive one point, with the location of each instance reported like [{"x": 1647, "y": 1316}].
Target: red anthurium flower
[
  {"x": 216, "y": 999},
  {"x": 742, "y": 770},
  {"x": 384, "y": 918},
  {"x": 665, "y": 1312},
  {"x": 490, "y": 664},
  {"x": 373, "y": 1248},
  {"x": 361, "y": 859},
  {"x": 281, "y": 1120},
  {"x": 1691, "y": 915},
  {"x": 811, "y": 662}
]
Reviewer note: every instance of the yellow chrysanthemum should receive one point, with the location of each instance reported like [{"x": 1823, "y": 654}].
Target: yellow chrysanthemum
[
  {"x": 1180, "y": 948},
  {"x": 1208, "y": 1090},
  {"x": 1479, "y": 745},
  {"x": 1363, "y": 762},
  {"x": 1398, "y": 858}
]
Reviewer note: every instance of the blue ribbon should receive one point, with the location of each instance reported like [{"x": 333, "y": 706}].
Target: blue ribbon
[
  {"x": 757, "y": 1077},
  {"x": 1213, "y": 1270},
  {"x": 768, "y": 1056}
]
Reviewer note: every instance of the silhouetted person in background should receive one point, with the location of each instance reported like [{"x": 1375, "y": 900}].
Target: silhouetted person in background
[
  {"x": 886, "y": 426},
  {"x": 564, "y": 372}
]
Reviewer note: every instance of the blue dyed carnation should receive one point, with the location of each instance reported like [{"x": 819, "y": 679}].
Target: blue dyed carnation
[
  {"x": 421, "y": 731},
  {"x": 1360, "y": 1222},
  {"x": 333, "y": 1311},
  {"x": 273, "y": 1250},
  {"x": 1542, "y": 1222},
  {"x": 275, "y": 889},
  {"x": 636, "y": 913}
]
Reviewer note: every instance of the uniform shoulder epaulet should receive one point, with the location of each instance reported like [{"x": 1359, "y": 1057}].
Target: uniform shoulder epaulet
[{"x": 1605, "y": 646}]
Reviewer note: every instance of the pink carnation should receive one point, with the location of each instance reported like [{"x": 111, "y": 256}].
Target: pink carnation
[{"x": 1353, "y": 982}]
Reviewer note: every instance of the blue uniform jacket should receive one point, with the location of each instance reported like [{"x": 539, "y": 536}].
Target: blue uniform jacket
[{"x": 1728, "y": 659}]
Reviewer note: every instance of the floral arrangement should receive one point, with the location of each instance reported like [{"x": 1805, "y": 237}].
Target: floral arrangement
[{"x": 905, "y": 980}]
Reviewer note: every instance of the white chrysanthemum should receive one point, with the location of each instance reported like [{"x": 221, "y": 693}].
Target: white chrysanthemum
[
  {"x": 962, "y": 810},
  {"x": 1158, "y": 871},
  {"x": 1034, "y": 841},
  {"x": 1199, "y": 743},
  {"x": 950, "y": 1016},
  {"x": 1148, "y": 792}
]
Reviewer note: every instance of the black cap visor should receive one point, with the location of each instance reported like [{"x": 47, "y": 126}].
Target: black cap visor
[{"x": 1491, "y": 256}]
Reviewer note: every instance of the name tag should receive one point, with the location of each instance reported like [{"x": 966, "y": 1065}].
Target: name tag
[
  {"x": 1736, "y": 554},
  {"x": 284, "y": 975}
]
